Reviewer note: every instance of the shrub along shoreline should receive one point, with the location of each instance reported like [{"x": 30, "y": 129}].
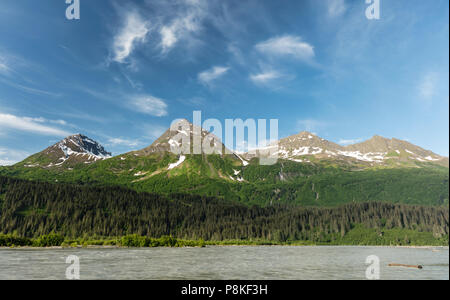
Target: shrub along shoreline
[{"x": 359, "y": 237}]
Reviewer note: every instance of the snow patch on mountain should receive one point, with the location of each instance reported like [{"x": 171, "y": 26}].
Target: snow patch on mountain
[
  {"x": 369, "y": 157},
  {"x": 244, "y": 162},
  {"x": 84, "y": 146},
  {"x": 431, "y": 158},
  {"x": 179, "y": 162}
]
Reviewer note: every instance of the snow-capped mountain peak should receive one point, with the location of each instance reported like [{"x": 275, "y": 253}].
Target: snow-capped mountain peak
[
  {"x": 184, "y": 131},
  {"x": 82, "y": 145},
  {"x": 70, "y": 151},
  {"x": 377, "y": 150}
]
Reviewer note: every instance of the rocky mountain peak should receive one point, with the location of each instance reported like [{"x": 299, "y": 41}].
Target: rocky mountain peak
[
  {"x": 70, "y": 151},
  {"x": 180, "y": 132},
  {"x": 80, "y": 144},
  {"x": 376, "y": 150}
]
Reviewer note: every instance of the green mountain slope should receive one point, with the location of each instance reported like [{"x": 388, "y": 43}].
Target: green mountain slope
[
  {"x": 310, "y": 172},
  {"x": 316, "y": 184}
]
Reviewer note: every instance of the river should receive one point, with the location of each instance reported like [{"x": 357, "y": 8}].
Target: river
[{"x": 225, "y": 263}]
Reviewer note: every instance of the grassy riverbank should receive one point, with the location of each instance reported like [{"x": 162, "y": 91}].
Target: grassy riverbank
[{"x": 359, "y": 236}]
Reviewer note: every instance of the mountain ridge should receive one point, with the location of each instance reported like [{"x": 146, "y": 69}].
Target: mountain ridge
[
  {"x": 378, "y": 150},
  {"x": 304, "y": 174},
  {"x": 303, "y": 147}
]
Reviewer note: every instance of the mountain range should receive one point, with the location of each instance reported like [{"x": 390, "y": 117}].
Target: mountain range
[
  {"x": 310, "y": 170},
  {"x": 304, "y": 147}
]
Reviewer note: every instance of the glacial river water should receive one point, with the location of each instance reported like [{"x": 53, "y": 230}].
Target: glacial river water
[{"x": 259, "y": 262}]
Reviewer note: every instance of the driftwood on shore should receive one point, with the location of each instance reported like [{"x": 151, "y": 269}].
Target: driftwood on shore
[{"x": 406, "y": 266}]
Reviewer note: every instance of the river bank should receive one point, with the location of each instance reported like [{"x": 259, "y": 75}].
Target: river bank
[{"x": 135, "y": 241}]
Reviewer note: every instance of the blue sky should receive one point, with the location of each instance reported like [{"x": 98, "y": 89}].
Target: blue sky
[{"x": 126, "y": 69}]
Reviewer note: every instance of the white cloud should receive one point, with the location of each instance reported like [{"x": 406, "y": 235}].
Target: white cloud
[
  {"x": 176, "y": 25},
  {"x": 7, "y": 162},
  {"x": 123, "y": 142},
  {"x": 428, "y": 86},
  {"x": 34, "y": 125},
  {"x": 265, "y": 77},
  {"x": 149, "y": 105},
  {"x": 44, "y": 120},
  {"x": 186, "y": 21},
  {"x": 3, "y": 68},
  {"x": 287, "y": 45},
  {"x": 336, "y": 7},
  {"x": 345, "y": 142},
  {"x": 3, "y": 65},
  {"x": 214, "y": 73},
  {"x": 11, "y": 156},
  {"x": 134, "y": 31},
  {"x": 168, "y": 38}
]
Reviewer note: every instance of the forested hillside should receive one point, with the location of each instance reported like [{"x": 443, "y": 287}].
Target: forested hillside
[
  {"x": 287, "y": 182},
  {"x": 38, "y": 208}
]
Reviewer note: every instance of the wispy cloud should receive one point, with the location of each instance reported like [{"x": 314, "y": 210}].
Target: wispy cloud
[
  {"x": 287, "y": 45},
  {"x": 11, "y": 156},
  {"x": 133, "y": 83},
  {"x": 171, "y": 24},
  {"x": 148, "y": 133},
  {"x": 265, "y": 77},
  {"x": 133, "y": 32},
  {"x": 193, "y": 101},
  {"x": 16, "y": 71},
  {"x": 206, "y": 77},
  {"x": 187, "y": 21},
  {"x": 346, "y": 142},
  {"x": 149, "y": 105},
  {"x": 82, "y": 115},
  {"x": 336, "y": 7},
  {"x": 237, "y": 54},
  {"x": 123, "y": 142},
  {"x": 44, "y": 120},
  {"x": 29, "y": 90},
  {"x": 3, "y": 66},
  {"x": 428, "y": 86},
  {"x": 141, "y": 103},
  {"x": 34, "y": 125},
  {"x": 168, "y": 38}
]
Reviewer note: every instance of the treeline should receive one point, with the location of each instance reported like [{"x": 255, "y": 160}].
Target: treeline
[
  {"x": 33, "y": 209},
  {"x": 48, "y": 240},
  {"x": 56, "y": 240}
]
